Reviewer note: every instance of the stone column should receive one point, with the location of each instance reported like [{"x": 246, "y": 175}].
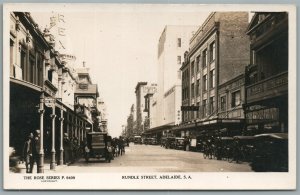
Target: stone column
[
  {"x": 52, "y": 164},
  {"x": 40, "y": 166},
  {"x": 61, "y": 156}
]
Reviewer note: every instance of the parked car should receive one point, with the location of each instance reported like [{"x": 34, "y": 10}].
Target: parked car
[
  {"x": 170, "y": 142},
  {"x": 242, "y": 149},
  {"x": 137, "y": 139},
  {"x": 270, "y": 152},
  {"x": 152, "y": 141},
  {"x": 179, "y": 143}
]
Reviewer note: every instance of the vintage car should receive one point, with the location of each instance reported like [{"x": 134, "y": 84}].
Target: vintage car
[
  {"x": 242, "y": 149},
  {"x": 137, "y": 139},
  {"x": 96, "y": 146},
  {"x": 225, "y": 147},
  {"x": 179, "y": 143},
  {"x": 170, "y": 142},
  {"x": 270, "y": 152},
  {"x": 152, "y": 141}
]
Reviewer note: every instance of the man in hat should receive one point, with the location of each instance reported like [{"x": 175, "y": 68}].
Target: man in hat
[
  {"x": 27, "y": 153},
  {"x": 36, "y": 147}
]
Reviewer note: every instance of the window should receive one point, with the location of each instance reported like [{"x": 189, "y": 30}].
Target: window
[
  {"x": 198, "y": 63},
  {"x": 197, "y": 87},
  {"x": 12, "y": 70},
  {"x": 50, "y": 75},
  {"x": 204, "y": 58},
  {"x": 178, "y": 59},
  {"x": 212, "y": 78},
  {"x": 236, "y": 99},
  {"x": 204, "y": 83},
  {"x": 32, "y": 70},
  {"x": 223, "y": 103},
  {"x": 23, "y": 63},
  {"x": 211, "y": 104},
  {"x": 192, "y": 68},
  {"x": 198, "y": 113},
  {"x": 212, "y": 51},
  {"x": 192, "y": 114},
  {"x": 193, "y": 90},
  {"x": 179, "y": 42},
  {"x": 204, "y": 102}
]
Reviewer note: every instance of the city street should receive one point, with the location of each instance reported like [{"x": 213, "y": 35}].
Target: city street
[{"x": 149, "y": 158}]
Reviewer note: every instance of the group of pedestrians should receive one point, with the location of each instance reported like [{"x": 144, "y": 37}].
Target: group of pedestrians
[
  {"x": 118, "y": 146},
  {"x": 31, "y": 151},
  {"x": 72, "y": 149}
]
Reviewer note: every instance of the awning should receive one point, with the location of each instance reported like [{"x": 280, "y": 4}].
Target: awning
[{"x": 159, "y": 129}]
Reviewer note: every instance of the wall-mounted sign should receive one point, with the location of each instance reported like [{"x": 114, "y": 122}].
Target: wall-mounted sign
[{"x": 190, "y": 108}]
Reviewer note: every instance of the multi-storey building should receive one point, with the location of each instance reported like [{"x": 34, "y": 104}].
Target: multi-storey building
[
  {"x": 141, "y": 89},
  {"x": 173, "y": 42},
  {"x": 35, "y": 73},
  {"x": 103, "y": 114},
  {"x": 266, "y": 105},
  {"x": 85, "y": 97},
  {"x": 212, "y": 79}
]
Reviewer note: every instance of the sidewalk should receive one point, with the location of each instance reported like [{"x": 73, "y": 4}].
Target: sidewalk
[{"x": 47, "y": 169}]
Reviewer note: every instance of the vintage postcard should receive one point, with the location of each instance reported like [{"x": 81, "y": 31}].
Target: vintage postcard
[{"x": 149, "y": 96}]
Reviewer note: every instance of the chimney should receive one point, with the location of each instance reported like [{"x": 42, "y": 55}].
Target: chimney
[{"x": 83, "y": 64}]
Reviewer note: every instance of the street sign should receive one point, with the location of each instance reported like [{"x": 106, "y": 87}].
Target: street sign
[
  {"x": 190, "y": 108},
  {"x": 49, "y": 101}
]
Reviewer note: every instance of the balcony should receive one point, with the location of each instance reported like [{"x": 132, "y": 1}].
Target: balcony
[{"x": 268, "y": 88}]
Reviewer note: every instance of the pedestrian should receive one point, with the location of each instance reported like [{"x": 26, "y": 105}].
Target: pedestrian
[
  {"x": 86, "y": 151},
  {"x": 66, "y": 148},
  {"x": 36, "y": 148},
  {"x": 187, "y": 144},
  {"x": 27, "y": 153},
  {"x": 122, "y": 146}
]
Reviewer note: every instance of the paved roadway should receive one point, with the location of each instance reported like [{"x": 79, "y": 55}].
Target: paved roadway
[{"x": 148, "y": 158}]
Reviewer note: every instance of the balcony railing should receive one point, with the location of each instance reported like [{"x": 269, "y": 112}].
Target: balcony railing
[{"x": 267, "y": 88}]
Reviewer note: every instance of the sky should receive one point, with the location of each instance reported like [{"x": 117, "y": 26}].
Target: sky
[{"x": 120, "y": 48}]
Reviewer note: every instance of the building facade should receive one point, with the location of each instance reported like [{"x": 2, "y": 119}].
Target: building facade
[
  {"x": 141, "y": 90},
  {"x": 103, "y": 114},
  {"x": 266, "y": 105},
  {"x": 173, "y": 42},
  {"x": 85, "y": 98},
  {"x": 212, "y": 74},
  {"x": 36, "y": 72}
]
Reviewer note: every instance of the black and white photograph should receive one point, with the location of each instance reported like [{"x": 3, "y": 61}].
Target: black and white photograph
[{"x": 149, "y": 96}]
